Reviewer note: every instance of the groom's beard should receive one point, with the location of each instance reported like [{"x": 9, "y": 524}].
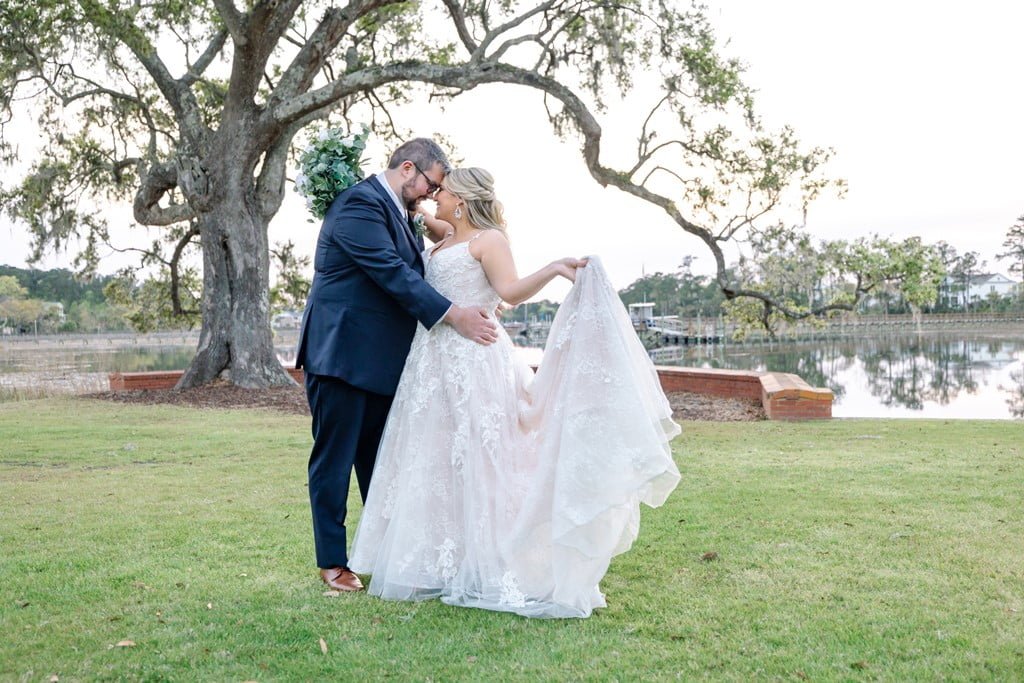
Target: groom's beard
[{"x": 409, "y": 194}]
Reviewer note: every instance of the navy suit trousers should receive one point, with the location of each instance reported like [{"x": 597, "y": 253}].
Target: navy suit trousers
[{"x": 347, "y": 428}]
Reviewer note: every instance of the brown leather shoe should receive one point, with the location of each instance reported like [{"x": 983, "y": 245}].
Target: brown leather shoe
[{"x": 341, "y": 579}]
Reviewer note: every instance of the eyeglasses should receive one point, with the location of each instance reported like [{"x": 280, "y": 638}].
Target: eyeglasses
[{"x": 432, "y": 187}]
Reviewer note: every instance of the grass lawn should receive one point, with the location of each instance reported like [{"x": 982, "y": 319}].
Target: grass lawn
[{"x": 847, "y": 550}]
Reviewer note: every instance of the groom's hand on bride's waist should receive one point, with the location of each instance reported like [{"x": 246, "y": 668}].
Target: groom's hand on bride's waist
[{"x": 473, "y": 323}]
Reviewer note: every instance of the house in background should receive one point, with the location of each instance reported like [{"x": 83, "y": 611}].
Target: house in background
[
  {"x": 980, "y": 288},
  {"x": 642, "y": 315}
]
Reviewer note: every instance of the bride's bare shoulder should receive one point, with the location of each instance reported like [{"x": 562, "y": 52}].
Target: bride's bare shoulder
[{"x": 488, "y": 242}]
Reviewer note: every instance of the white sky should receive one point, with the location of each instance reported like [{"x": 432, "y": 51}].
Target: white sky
[{"x": 922, "y": 102}]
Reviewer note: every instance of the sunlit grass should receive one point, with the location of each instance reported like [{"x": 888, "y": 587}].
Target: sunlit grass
[{"x": 848, "y": 550}]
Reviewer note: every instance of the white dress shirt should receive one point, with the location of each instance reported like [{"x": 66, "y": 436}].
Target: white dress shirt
[{"x": 402, "y": 211}]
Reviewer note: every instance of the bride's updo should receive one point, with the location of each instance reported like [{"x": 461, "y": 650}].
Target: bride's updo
[{"x": 475, "y": 187}]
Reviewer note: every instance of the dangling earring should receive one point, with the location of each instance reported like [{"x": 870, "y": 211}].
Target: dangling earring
[{"x": 458, "y": 212}]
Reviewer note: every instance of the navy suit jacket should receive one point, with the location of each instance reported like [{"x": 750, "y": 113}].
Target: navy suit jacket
[{"x": 368, "y": 292}]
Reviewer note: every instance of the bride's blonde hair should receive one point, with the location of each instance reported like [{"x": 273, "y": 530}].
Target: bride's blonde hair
[{"x": 475, "y": 187}]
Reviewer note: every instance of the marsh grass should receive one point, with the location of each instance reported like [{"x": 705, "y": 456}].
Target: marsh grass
[
  {"x": 39, "y": 385},
  {"x": 848, "y": 550},
  {"x": 12, "y": 393}
]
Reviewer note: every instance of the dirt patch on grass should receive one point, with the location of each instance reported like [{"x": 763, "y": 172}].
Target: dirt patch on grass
[
  {"x": 219, "y": 395},
  {"x": 292, "y": 400},
  {"x": 689, "y": 406}
]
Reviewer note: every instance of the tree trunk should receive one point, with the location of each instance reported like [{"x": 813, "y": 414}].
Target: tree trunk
[{"x": 236, "y": 342}]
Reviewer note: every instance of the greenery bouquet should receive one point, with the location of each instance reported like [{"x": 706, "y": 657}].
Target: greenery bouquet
[{"x": 329, "y": 164}]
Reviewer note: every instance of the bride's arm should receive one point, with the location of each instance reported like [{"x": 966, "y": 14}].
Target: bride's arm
[{"x": 495, "y": 255}]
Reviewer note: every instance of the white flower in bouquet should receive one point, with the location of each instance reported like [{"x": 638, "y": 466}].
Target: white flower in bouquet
[{"x": 329, "y": 164}]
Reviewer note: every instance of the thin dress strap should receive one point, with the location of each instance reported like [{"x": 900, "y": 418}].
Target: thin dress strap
[{"x": 442, "y": 244}]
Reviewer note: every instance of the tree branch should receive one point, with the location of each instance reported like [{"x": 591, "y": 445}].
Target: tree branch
[
  {"x": 159, "y": 181},
  {"x": 459, "y": 18},
  {"x": 174, "y": 265},
  {"x": 195, "y": 71},
  {"x": 270, "y": 185},
  {"x": 470, "y": 75},
  {"x": 269, "y": 22},
  {"x": 776, "y": 304},
  {"x": 317, "y": 48},
  {"x": 233, "y": 20},
  {"x": 59, "y": 69},
  {"x": 177, "y": 95},
  {"x": 479, "y": 53},
  {"x": 541, "y": 37}
]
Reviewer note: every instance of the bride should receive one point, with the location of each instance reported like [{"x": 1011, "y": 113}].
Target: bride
[{"x": 495, "y": 488}]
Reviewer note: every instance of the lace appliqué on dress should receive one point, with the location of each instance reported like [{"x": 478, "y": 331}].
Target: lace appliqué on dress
[
  {"x": 510, "y": 593},
  {"x": 445, "y": 566}
]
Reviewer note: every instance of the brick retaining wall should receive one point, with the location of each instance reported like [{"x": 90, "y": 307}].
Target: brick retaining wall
[
  {"x": 726, "y": 383},
  {"x": 783, "y": 395},
  {"x": 162, "y": 379}
]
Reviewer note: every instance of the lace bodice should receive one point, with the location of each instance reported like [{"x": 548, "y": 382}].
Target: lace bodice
[{"x": 459, "y": 277}]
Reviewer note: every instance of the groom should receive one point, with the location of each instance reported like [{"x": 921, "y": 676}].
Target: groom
[{"x": 368, "y": 294}]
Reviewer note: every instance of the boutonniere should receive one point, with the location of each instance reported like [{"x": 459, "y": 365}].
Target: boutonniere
[{"x": 419, "y": 225}]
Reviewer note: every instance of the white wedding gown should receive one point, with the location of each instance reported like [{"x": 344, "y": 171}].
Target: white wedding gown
[{"x": 500, "y": 489}]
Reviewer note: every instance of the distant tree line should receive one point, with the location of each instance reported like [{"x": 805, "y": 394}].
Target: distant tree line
[
  {"x": 58, "y": 284},
  {"x": 50, "y": 301},
  {"x": 680, "y": 293},
  {"x": 898, "y": 277},
  {"x": 893, "y": 277}
]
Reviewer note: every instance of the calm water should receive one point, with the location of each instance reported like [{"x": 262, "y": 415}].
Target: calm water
[
  {"x": 979, "y": 375},
  {"x": 934, "y": 375}
]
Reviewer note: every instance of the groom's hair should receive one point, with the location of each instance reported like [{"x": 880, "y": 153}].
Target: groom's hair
[{"x": 423, "y": 152}]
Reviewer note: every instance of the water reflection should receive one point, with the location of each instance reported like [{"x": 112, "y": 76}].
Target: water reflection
[
  {"x": 917, "y": 375},
  {"x": 1015, "y": 393},
  {"x": 912, "y": 372},
  {"x": 970, "y": 375},
  {"x": 113, "y": 360}
]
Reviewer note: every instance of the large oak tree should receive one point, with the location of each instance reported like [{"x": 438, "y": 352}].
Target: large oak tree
[{"x": 189, "y": 111}]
